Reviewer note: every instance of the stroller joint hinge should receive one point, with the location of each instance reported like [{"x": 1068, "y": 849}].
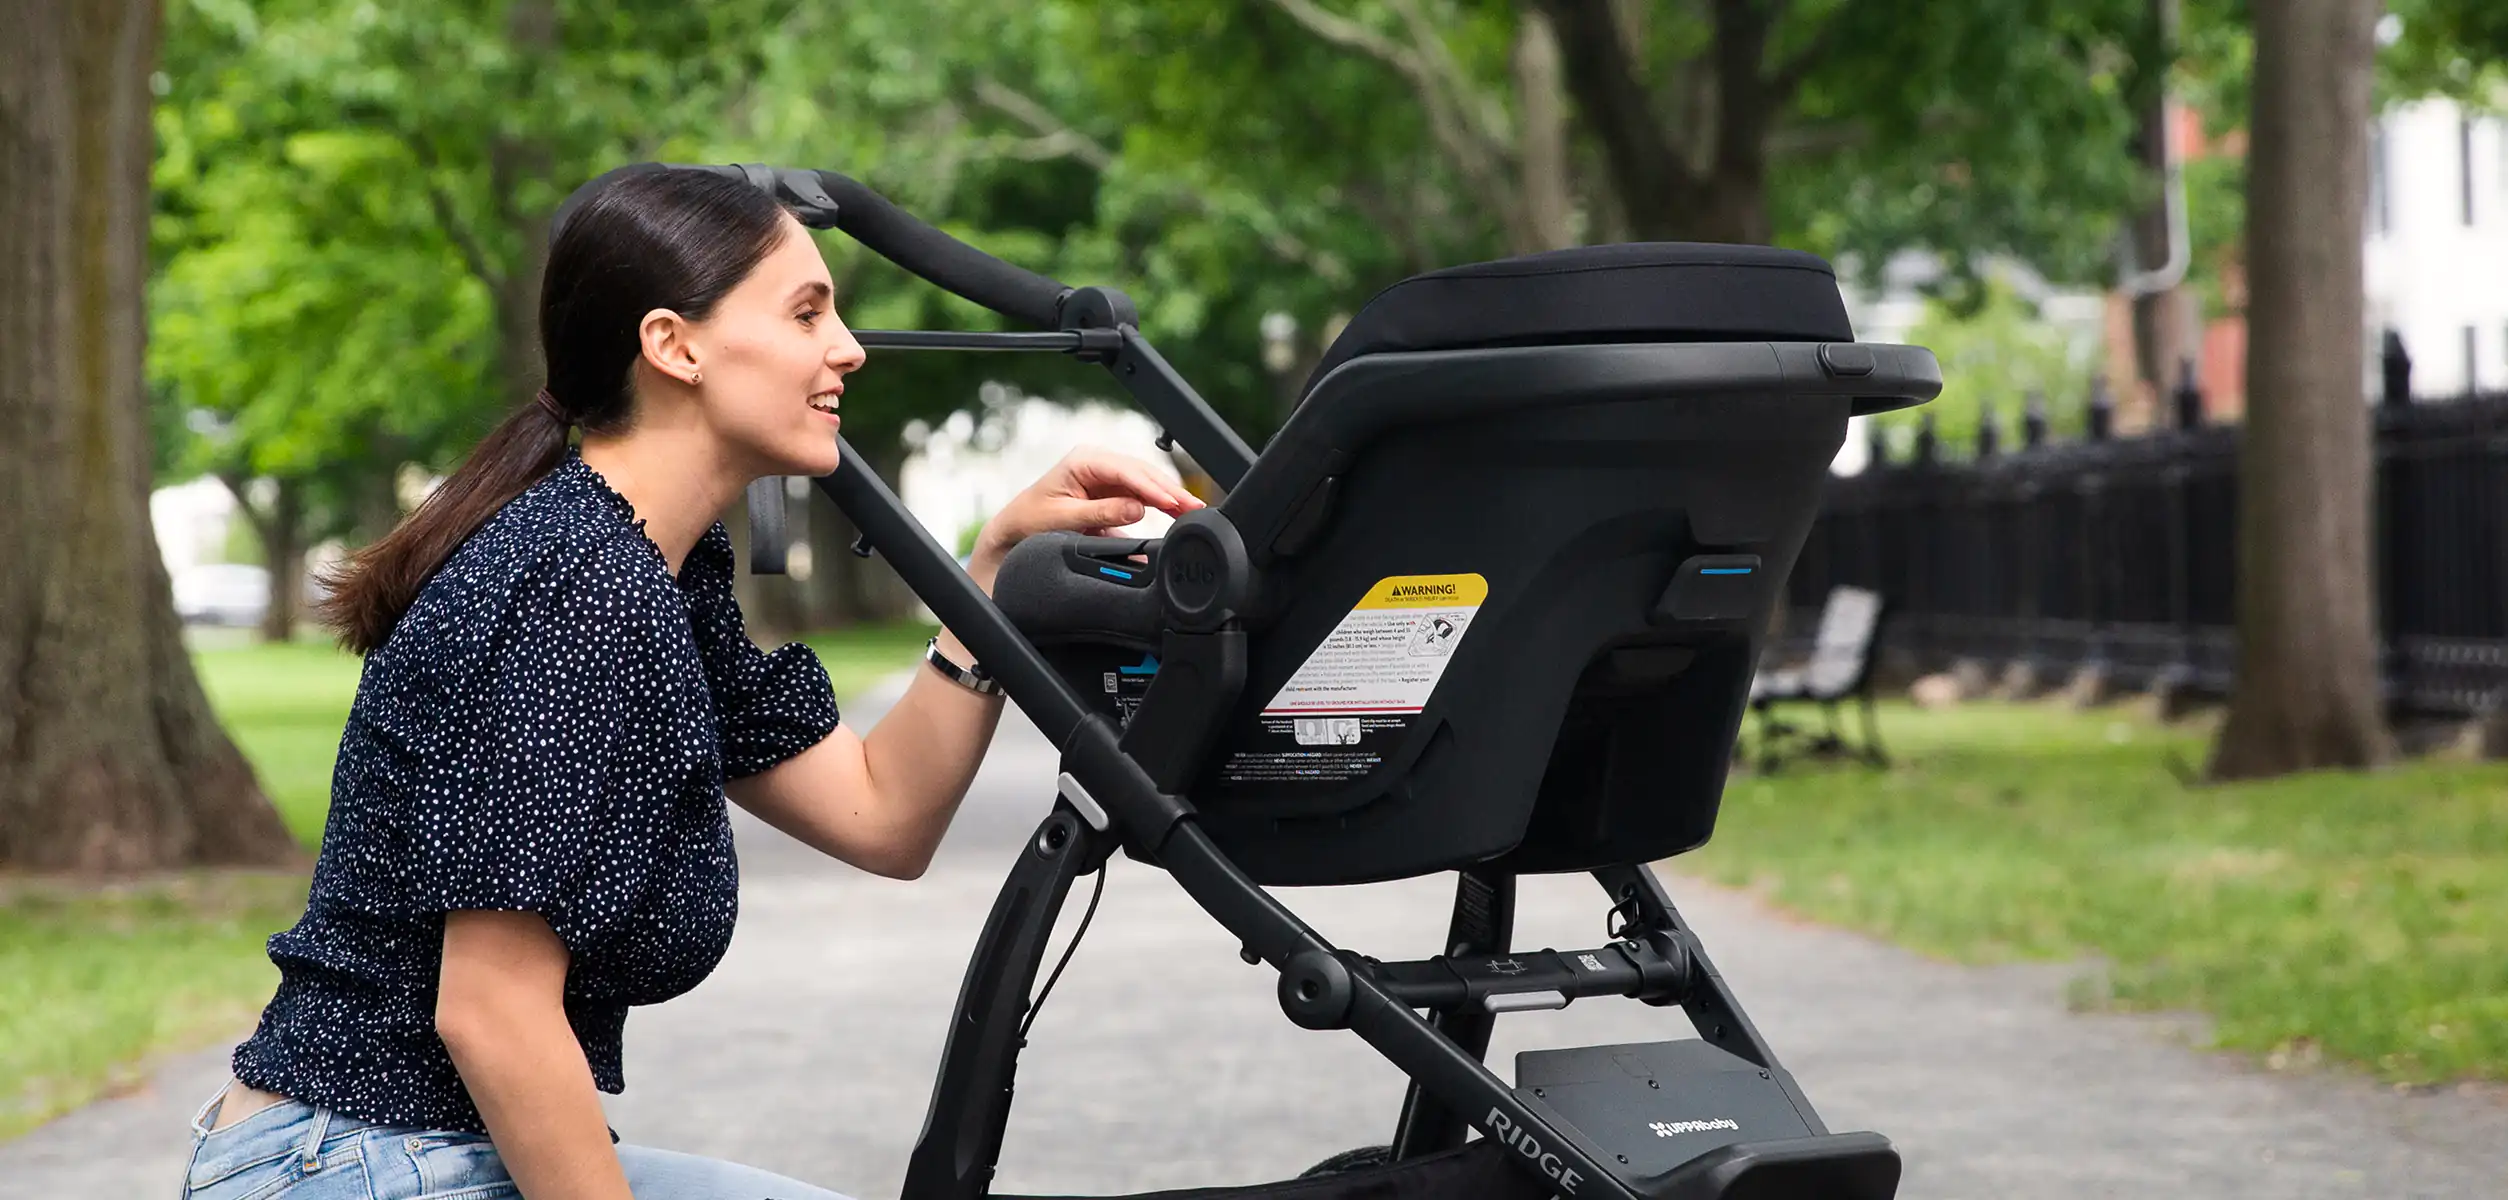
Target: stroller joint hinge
[{"x": 1316, "y": 990}]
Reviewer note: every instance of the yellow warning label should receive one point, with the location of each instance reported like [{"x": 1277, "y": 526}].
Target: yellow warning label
[
  {"x": 1427, "y": 591},
  {"x": 1385, "y": 657}
]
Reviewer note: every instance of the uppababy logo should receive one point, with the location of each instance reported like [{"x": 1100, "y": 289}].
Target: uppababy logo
[{"x": 1677, "y": 1128}]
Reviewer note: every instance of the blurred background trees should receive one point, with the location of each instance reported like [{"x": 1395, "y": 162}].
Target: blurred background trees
[
  {"x": 351, "y": 201},
  {"x": 346, "y": 204}
]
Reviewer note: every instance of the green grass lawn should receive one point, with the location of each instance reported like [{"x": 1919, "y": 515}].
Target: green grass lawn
[
  {"x": 2358, "y": 917},
  {"x": 96, "y": 983}
]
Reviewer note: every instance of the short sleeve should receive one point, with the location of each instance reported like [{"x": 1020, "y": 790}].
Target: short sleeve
[
  {"x": 771, "y": 706},
  {"x": 509, "y": 814}
]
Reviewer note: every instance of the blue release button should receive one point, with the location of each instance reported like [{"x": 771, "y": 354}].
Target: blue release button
[{"x": 1712, "y": 587}]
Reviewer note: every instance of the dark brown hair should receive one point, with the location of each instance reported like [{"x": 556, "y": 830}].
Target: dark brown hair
[{"x": 638, "y": 239}]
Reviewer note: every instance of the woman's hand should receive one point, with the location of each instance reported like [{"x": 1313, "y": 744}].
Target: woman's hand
[
  {"x": 884, "y": 799},
  {"x": 1090, "y": 491}
]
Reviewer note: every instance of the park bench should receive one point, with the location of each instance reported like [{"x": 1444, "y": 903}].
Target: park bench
[{"x": 1839, "y": 667}]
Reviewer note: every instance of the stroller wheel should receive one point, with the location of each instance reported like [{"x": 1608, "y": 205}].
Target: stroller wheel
[{"x": 1350, "y": 1160}]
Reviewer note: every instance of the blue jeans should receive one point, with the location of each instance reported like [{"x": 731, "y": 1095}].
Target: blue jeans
[{"x": 303, "y": 1152}]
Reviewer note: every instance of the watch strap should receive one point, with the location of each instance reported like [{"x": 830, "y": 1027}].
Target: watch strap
[{"x": 971, "y": 678}]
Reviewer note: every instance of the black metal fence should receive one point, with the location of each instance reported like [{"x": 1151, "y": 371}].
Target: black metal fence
[{"x": 2121, "y": 553}]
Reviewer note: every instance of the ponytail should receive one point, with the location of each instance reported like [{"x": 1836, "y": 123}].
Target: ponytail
[{"x": 368, "y": 591}]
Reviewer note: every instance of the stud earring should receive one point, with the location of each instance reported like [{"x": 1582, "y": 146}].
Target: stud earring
[{"x": 696, "y": 377}]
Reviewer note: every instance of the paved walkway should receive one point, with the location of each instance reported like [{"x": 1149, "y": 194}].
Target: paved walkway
[{"x": 1162, "y": 1061}]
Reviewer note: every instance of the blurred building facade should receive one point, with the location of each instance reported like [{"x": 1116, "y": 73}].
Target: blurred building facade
[
  {"x": 2434, "y": 272},
  {"x": 2437, "y": 270}
]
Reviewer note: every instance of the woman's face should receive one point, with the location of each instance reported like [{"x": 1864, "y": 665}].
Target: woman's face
[{"x": 771, "y": 361}]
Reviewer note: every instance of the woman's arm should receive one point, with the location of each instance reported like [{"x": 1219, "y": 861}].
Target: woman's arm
[
  {"x": 500, "y": 1009},
  {"x": 883, "y": 800}
]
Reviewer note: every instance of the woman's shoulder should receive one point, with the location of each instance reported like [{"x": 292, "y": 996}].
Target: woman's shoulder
[{"x": 560, "y": 547}]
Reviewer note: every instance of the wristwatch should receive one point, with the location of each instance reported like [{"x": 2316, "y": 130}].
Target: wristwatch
[{"x": 971, "y": 678}]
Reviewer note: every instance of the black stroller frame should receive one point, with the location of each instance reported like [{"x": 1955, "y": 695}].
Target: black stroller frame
[{"x": 1125, "y": 781}]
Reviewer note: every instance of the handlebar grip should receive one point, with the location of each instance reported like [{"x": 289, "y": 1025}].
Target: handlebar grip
[
  {"x": 900, "y": 237},
  {"x": 827, "y": 200}
]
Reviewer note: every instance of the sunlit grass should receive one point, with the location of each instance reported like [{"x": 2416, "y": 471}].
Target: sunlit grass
[
  {"x": 2361, "y": 916},
  {"x": 97, "y": 983}
]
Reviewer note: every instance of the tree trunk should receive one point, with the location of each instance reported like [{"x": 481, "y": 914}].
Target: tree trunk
[
  {"x": 2161, "y": 322},
  {"x": 517, "y": 298},
  {"x": 279, "y": 530},
  {"x": 110, "y": 758},
  {"x": 375, "y": 499},
  {"x": 2307, "y": 685},
  {"x": 1541, "y": 138},
  {"x": 283, "y": 556},
  {"x": 515, "y": 161},
  {"x": 1660, "y": 194},
  {"x": 1736, "y": 207}
]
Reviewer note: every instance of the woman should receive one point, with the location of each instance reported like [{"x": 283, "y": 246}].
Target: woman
[{"x": 527, "y": 833}]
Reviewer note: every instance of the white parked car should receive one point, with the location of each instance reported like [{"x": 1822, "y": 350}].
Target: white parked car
[{"x": 222, "y": 594}]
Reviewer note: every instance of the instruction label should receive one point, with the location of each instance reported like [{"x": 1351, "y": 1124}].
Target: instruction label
[
  {"x": 1129, "y": 685},
  {"x": 1348, "y": 702},
  {"x": 1387, "y": 655}
]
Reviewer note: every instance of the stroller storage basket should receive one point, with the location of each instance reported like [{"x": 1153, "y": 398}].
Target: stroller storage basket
[{"x": 1490, "y": 602}]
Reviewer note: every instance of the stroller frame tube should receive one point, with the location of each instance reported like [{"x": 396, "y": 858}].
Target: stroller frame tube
[
  {"x": 1483, "y": 923},
  {"x": 954, "y": 1159},
  {"x": 1162, "y": 828}
]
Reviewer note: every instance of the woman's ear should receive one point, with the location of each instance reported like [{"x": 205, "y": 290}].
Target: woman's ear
[{"x": 669, "y": 345}]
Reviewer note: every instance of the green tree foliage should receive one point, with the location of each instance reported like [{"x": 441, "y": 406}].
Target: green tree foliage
[
  {"x": 351, "y": 208},
  {"x": 1852, "y": 125},
  {"x": 353, "y": 197},
  {"x": 2452, "y": 47},
  {"x": 2215, "y": 59},
  {"x": 297, "y": 328},
  {"x": 1973, "y": 127}
]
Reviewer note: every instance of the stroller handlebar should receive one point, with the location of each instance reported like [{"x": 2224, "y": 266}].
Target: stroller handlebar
[{"x": 828, "y": 200}]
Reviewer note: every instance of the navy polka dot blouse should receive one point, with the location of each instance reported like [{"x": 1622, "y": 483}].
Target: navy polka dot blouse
[{"x": 547, "y": 729}]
